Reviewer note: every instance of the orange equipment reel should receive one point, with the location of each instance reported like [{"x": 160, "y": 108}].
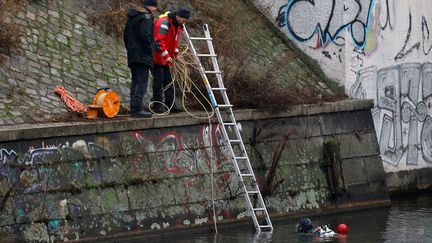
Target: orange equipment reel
[{"x": 108, "y": 102}]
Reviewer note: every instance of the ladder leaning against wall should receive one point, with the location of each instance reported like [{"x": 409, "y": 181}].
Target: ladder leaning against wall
[{"x": 236, "y": 147}]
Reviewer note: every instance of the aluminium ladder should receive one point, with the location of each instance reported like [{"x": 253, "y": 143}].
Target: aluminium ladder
[{"x": 235, "y": 145}]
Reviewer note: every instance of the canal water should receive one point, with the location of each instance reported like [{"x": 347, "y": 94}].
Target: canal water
[{"x": 408, "y": 219}]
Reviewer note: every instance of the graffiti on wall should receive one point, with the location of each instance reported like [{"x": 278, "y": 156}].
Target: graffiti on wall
[
  {"x": 404, "y": 103},
  {"x": 53, "y": 153},
  {"x": 181, "y": 159},
  {"x": 304, "y": 19},
  {"x": 49, "y": 167},
  {"x": 36, "y": 172},
  {"x": 386, "y": 20},
  {"x": 7, "y": 157},
  {"x": 41, "y": 163},
  {"x": 179, "y": 153},
  {"x": 381, "y": 20},
  {"x": 411, "y": 44}
]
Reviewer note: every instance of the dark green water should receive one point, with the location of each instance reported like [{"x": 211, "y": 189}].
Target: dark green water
[{"x": 408, "y": 219}]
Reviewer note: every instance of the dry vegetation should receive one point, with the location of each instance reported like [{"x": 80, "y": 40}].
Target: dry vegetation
[
  {"x": 112, "y": 15},
  {"x": 9, "y": 30},
  {"x": 248, "y": 88}
]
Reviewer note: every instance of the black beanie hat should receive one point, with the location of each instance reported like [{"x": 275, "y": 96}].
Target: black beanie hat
[
  {"x": 151, "y": 3},
  {"x": 184, "y": 13}
]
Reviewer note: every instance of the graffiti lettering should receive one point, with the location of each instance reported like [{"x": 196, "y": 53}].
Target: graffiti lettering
[
  {"x": 425, "y": 43},
  {"x": 7, "y": 156},
  {"x": 387, "y": 21},
  {"x": 364, "y": 88},
  {"x": 403, "y": 52},
  {"x": 182, "y": 160},
  {"x": 305, "y": 18},
  {"x": 404, "y": 102},
  {"x": 426, "y": 37},
  {"x": 337, "y": 55},
  {"x": 42, "y": 155},
  {"x": 280, "y": 19},
  {"x": 380, "y": 21}
]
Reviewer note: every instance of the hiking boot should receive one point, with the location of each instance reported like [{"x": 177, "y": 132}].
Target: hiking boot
[{"x": 141, "y": 114}]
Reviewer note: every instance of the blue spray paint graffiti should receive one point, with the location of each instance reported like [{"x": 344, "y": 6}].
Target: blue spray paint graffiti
[
  {"x": 54, "y": 224},
  {"x": 305, "y": 18}
]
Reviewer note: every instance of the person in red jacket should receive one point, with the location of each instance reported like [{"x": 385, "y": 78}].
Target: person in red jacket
[{"x": 167, "y": 32}]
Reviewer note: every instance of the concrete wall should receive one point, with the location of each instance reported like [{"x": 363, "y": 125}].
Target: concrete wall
[
  {"x": 106, "y": 179},
  {"x": 377, "y": 50}
]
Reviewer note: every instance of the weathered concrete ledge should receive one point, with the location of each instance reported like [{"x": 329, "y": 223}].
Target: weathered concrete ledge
[
  {"x": 59, "y": 129},
  {"x": 406, "y": 182}
]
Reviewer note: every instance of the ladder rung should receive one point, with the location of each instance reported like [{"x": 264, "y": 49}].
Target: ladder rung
[
  {"x": 206, "y": 55},
  {"x": 200, "y": 38},
  {"x": 252, "y": 192},
  {"x": 246, "y": 176},
  {"x": 225, "y": 106},
  {"x": 219, "y": 89}
]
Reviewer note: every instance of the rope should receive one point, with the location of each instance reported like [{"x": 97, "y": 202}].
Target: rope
[
  {"x": 70, "y": 102},
  {"x": 181, "y": 71},
  {"x": 212, "y": 179}
]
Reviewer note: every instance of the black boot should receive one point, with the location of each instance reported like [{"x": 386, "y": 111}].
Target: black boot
[
  {"x": 159, "y": 108},
  {"x": 141, "y": 114}
]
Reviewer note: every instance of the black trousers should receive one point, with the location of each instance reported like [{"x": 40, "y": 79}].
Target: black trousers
[
  {"x": 161, "y": 79},
  {"x": 140, "y": 74}
]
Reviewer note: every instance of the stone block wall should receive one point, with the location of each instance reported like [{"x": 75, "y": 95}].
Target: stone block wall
[
  {"x": 62, "y": 43},
  {"x": 112, "y": 179},
  {"x": 59, "y": 46}
]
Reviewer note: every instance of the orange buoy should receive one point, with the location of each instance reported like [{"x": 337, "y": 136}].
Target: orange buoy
[{"x": 108, "y": 102}]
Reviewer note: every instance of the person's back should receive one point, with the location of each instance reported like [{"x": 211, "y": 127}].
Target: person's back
[{"x": 139, "y": 42}]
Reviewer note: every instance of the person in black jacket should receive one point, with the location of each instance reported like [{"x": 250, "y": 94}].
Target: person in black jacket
[{"x": 139, "y": 41}]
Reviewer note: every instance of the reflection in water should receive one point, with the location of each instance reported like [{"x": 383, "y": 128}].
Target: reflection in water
[
  {"x": 407, "y": 220},
  {"x": 407, "y": 225}
]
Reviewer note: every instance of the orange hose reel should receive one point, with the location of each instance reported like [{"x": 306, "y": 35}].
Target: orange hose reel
[{"x": 107, "y": 102}]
